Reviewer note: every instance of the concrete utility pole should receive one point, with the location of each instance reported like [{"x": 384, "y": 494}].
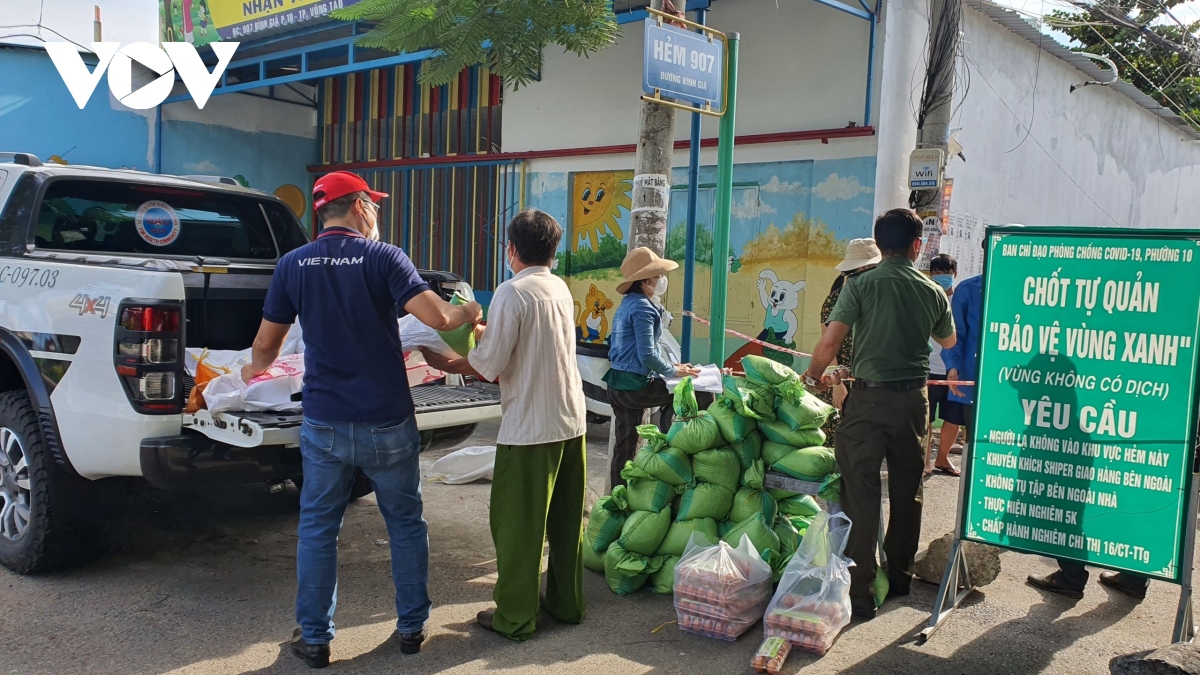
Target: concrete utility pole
[
  {"x": 937, "y": 102},
  {"x": 652, "y": 169}
]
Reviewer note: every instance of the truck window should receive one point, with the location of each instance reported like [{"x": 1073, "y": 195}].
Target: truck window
[
  {"x": 90, "y": 216},
  {"x": 289, "y": 233}
]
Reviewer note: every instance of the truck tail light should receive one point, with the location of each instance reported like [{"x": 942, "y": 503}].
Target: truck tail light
[
  {"x": 147, "y": 359},
  {"x": 150, "y": 319}
]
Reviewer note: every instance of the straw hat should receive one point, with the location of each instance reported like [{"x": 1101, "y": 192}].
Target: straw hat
[
  {"x": 642, "y": 263},
  {"x": 859, "y": 253}
]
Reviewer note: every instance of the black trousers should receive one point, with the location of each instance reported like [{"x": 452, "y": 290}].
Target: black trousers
[
  {"x": 878, "y": 424},
  {"x": 628, "y": 407},
  {"x": 1074, "y": 576}
]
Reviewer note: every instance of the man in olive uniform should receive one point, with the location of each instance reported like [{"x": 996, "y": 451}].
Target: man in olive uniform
[{"x": 894, "y": 310}]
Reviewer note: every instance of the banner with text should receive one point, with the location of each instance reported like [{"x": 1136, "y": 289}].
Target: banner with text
[
  {"x": 1086, "y": 404},
  {"x": 201, "y": 22}
]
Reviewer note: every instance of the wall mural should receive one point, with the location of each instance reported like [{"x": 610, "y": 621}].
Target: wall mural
[{"x": 789, "y": 227}]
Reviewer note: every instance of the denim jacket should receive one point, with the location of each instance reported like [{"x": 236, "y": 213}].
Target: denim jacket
[{"x": 637, "y": 328}]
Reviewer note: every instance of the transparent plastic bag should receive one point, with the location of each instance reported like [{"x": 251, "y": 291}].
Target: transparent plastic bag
[
  {"x": 812, "y": 604},
  {"x": 720, "y": 591}
]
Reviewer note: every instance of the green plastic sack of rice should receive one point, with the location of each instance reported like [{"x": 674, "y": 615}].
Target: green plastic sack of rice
[
  {"x": 779, "y": 432},
  {"x": 753, "y": 499},
  {"x": 881, "y": 586},
  {"x": 789, "y": 536},
  {"x": 802, "y": 410},
  {"x": 773, "y": 452},
  {"x": 747, "y": 398},
  {"x": 681, "y": 531},
  {"x": 761, "y": 535},
  {"x": 606, "y": 520},
  {"x": 778, "y": 561},
  {"x": 644, "y": 531},
  {"x": 594, "y": 560},
  {"x": 800, "y": 505},
  {"x": 626, "y": 571},
  {"x": 765, "y": 372},
  {"x": 705, "y": 500},
  {"x": 807, "y": 463},
  {"x": 719, "y": 465},
  {"x": 748, "y": 449},
  {"x": 645, "y": 494},
  {"x": 663, "y": 581},
  {"x": 733, "y": 427},
  {"x": 694, "y": 429},
  {"x": 801, "y": 523},
  {"x": 780, "y": 494},
  {"x": 831, "y": 488},
  {"x": 658, "y": 460},
  {"x": 461, "y": 339}
]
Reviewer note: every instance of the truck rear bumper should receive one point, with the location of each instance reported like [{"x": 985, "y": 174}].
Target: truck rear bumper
[{"x": 179, "y": 462}]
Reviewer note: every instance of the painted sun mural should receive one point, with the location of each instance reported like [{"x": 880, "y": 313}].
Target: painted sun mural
[{"x": 597, "y": 198}]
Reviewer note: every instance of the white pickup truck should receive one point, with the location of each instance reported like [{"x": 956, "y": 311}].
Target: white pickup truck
[{"x": 106, "y": 277}]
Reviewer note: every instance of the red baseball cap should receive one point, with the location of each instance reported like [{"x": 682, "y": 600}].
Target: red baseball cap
[{"x": 337, "y": 184}]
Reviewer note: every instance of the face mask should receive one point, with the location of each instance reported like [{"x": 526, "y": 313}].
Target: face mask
[
  {"x": 946, "y": 281},
  {"x": 660, "y": 286},
  {"x": 508, "y": 263}
]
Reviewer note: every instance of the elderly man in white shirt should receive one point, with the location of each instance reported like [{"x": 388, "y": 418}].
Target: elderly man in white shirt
[{"x": 540, "y": 476}]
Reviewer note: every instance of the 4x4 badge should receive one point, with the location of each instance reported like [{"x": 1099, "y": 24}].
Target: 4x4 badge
[{"x": 89, "y": 305}]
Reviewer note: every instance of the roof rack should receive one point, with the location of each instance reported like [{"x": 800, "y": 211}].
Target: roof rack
[{"x": 24, "y": 158}]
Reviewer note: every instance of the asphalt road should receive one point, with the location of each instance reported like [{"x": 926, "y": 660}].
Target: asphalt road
[{"x": 205, "y": 584}]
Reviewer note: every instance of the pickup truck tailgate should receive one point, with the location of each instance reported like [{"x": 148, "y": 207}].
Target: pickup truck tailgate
[{"x": 437, "y": 407}]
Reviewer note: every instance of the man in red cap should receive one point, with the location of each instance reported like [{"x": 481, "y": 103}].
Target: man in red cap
[{"x": 347, "y": 289}]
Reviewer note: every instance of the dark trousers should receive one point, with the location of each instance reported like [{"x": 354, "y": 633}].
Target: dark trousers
[
  {"x": 879, "y": 423},
  {"x": 628, "y": 407},
  {"x": 1074, "y": 576}
]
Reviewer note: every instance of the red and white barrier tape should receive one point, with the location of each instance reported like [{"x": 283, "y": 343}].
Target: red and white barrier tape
[{"x": 785, "y": 350}]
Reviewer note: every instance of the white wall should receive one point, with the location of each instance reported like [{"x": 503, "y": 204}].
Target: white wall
[
  {"x": 802, "y": 66},
  {"x": 1089, "y": 158}
]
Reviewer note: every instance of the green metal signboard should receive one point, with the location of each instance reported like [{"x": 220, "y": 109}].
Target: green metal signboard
[{"x": 1085, "y": 411}]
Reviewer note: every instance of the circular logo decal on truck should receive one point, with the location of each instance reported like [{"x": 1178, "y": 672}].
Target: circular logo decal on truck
[{"x": 157, "y": 223}]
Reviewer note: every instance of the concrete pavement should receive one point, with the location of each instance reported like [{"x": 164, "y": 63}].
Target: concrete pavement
[{"x": 205, "y": 583}]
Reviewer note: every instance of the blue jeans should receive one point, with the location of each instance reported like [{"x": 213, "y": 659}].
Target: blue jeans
[{"x": 389, "y": 454}]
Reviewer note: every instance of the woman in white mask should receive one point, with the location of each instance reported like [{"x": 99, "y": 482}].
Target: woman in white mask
[{"x": 638, "y": 363}]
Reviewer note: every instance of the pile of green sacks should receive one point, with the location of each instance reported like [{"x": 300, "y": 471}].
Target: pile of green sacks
[{"x": 706, "y": 475}]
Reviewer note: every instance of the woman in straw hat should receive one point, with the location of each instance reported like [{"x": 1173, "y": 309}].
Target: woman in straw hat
[
  {"x": 638, "y": 365},
  {"x": 861, "y": 255}
]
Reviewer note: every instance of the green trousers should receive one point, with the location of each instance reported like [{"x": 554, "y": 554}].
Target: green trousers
[{"x": 537, "y": 495}]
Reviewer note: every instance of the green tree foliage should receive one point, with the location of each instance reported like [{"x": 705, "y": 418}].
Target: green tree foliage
[
  {"x": 505, "y": 35},
  {"x": 611, "y": 252},
  {"x": 1152, "y": 50},
  {"x": 677, "y": 244}
]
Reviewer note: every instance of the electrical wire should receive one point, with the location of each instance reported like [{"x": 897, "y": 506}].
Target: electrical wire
[
  {"x": 1036, "y": 76},
  {"x": 1040, "y": 146},
  {"x": 1179, "y": 109},
  {"x": 42, "y": 39}
]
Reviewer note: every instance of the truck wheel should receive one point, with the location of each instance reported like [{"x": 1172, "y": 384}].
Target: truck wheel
[
  {"x": 361, "y": 487},
  {"x": 36, "y": 503}
]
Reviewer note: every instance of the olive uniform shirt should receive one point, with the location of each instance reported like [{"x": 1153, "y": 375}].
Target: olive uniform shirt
[{"x": 893, "y": 310}]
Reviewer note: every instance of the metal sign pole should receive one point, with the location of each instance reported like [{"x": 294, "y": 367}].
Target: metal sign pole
[
  {"x": 956, "y": 575},
  {"x": 1185, "y": 629}
]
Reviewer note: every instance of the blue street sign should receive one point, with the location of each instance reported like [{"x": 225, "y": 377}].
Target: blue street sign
[{"x": 683, "y": 65}]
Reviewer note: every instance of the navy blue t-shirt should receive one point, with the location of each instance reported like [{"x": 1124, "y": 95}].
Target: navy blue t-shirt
[{"x": 348, "y": 292}]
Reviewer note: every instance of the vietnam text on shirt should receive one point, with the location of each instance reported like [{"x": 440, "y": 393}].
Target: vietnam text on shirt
[{"x": 348, "y": 292}]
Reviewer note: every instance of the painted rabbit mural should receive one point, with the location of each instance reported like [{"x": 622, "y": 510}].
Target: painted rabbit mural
[{"x": 780, "y": 300}]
